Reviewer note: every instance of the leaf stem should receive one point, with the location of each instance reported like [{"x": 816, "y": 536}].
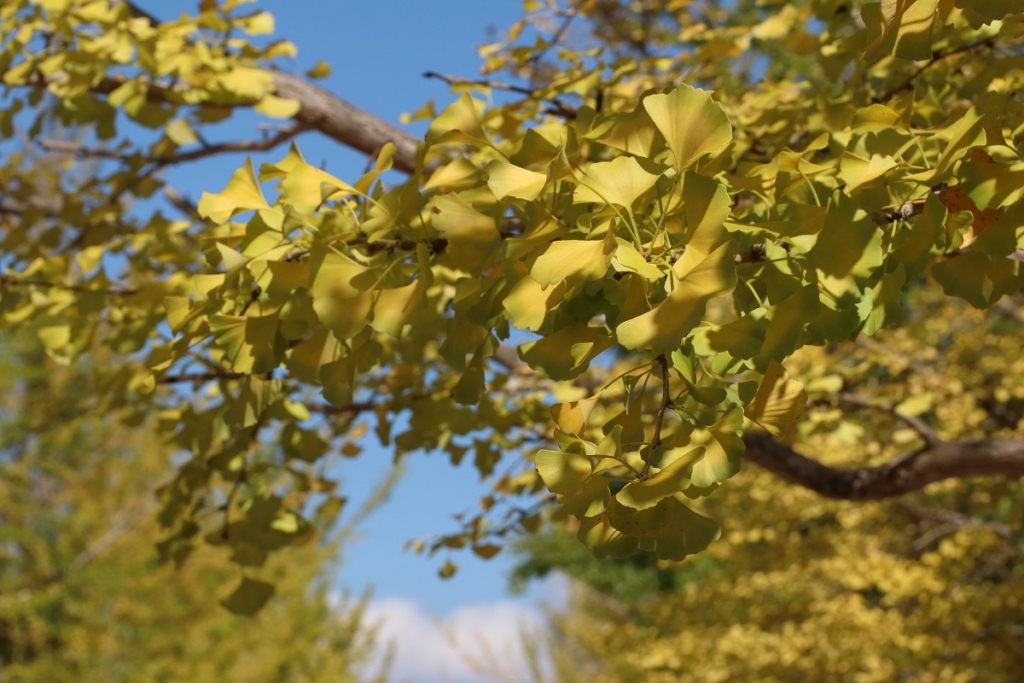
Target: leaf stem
[{"x": 666, "y": 402}]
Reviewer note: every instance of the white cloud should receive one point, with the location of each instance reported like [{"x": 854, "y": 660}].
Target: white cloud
[{"x": 474, "y": 644}]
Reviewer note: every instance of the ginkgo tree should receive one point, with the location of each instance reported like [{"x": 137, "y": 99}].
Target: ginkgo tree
[{"x": 590, "y": 272}]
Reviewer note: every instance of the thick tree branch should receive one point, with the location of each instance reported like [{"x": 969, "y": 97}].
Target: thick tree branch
[
  {"x": 346, "y": 123},
  {"x": 903, "y": 474},
  {"x": 318, "y": 110}
]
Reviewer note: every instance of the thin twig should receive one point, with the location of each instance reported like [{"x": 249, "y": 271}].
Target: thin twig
[
  {"x": 7, "y": 281},
  {"x": 263, "y": 145},
  {"x": 348, "y": 409},
  {"x": 666, "y": 403},
  {"x": 560, "y": 108},
  {"x": 937, "y": 57},
  {"x": 201, "y": 377},
  {"x": 917, "y": 424}
]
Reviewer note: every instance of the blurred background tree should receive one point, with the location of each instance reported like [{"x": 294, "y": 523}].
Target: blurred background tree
[
  {"x": 927, "y": 587},
  {"x": 83, "y": 595}
]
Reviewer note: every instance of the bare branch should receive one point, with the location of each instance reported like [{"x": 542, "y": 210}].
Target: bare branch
[
  {"x": 7, "y": 281},
  {"x": 349, "y": 409},
  {"x": 908, "y": 83},
  {"x": 200, "y": 377},
  {"x": 261, "y": 145},
  {"x": 346, "y": 123},
  {"x": 903, "y": 474},
  {"x": 181, "y": 203},
  {"x": 560, "y": 108}
]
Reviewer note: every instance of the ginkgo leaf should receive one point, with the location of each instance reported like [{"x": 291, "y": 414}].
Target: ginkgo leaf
[
  {"x": 634, "y": 522},
  {"x": 685, "y": 534},
  {"x": 692, "y": 124},
  {"x": 458, "y": 122},
  {"x": 663, "y": 327},
  {"x": 723, "y": 450},
  {"x": 619, "y": 181},
  {"x": 457, "y": 221},
  {"x": 242, "y": 193},
  {"x": 278, "y": 107},
  {"x": 565, "y": 353},
  {"x": 779, "y": 402},
  {"x": 341, "y": 296},
  {"x": 306, "y": 187},
  {"x": 583, "y": 259},
  {"x": 902, "y": 28},
  {"x": 706, "y": 206},
  {"x": 671, "y": 479},
  {"x": 507, "y": 180},
  {"x": 248, "y": 597},
  {"x": 563, "y": 472},
  {"x": 628, "y": 259},
  {"x": 604, "y": 540},
  {"x": 632, "y": 132},
  {"x": 528, "y": 302}
]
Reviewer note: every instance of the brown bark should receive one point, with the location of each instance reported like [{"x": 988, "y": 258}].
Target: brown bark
[
  {"x": 903, "y": 474},
  {"x": 346, "y": 123}
]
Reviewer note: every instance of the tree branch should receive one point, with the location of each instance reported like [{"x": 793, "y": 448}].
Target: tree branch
[
  {"x": 346, "y": 123},
  {"x": 7, "y": 281},
  {"x": 903, "y": 474},
  {"x": 560, "y": 108},
  {"x": 917, "y": 424}
]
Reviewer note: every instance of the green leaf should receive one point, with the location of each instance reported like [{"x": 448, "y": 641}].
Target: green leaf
[
  {"x": 249, "y": 597},
  {"x": 671, "y": 479},
  {"x": 692, "y": 124},
  {"x": 633, "y": 522},
  {"x": 604, "y": 540},
  {"x": 247, "y": 342},
  {"x": 885, "y": 308},
  {"x": 849, "y": 244},
  {"x": 741, "y": 338},
  {"x": 787, "y": 320},
  {"x": 242, "y": 193},
  {"x": 685, "y": 534},
  {"x": 566, "y": 352},
  {"x": 915, "y": 244},
  {"x": 471, "y": 384},
  {"x": 723, "y": 450},
  {"x": 619, "y": 181},
  {"x": 663, "y": 328}
]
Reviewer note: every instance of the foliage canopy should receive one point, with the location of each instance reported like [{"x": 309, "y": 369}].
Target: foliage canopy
[{"x": 603, "y": 264}]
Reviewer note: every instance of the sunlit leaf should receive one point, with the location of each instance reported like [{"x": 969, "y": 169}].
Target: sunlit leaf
[
  {"x": 779, "y": 402},
  {"x": 691, "y": 122}
]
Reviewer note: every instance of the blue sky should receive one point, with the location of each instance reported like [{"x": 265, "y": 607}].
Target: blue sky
[{"x": 379, "y": 51}]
